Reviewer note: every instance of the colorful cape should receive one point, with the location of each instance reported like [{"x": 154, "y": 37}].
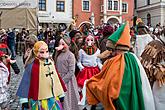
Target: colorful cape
[
  {"x": 36, "y": 83},
  {"x": 120, "y": 85}
]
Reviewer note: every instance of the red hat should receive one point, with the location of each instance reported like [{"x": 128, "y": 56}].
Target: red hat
[{"x": 2, "y": 54}]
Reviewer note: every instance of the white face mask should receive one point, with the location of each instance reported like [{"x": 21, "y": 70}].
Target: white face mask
[
  {"x": 90, "y": 40},
  {"x": 162, "y": 38}
]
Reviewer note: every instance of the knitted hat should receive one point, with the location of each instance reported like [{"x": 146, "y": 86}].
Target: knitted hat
[
  {"x": 121, "y": 37},
  {"x": 37, "y": 46}
]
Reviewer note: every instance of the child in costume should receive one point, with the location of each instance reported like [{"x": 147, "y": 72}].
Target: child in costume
[
  {"x": 122, "y": 83},
  {"x": 8, "y": 61},
  {"x": 65, "y": 64},
  {"x": 4, "y": 73},
  {"x": 41, "y": 83},
  {"x": 89, "y": 64}
]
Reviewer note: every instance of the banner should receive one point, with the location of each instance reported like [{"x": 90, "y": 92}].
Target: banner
[{"x": 18, "y": 3}]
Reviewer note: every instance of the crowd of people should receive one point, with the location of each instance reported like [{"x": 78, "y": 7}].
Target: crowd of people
[{"x": 121, "y": 67}]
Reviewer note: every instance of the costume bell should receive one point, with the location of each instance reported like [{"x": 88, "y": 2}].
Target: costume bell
[{"x": 41, "y": 83}]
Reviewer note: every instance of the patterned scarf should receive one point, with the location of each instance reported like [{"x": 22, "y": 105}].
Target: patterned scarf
[{"x": 90, "y": 50}]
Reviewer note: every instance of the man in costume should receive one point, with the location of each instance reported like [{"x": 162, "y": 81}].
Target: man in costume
[
  {"x": 41, "y": 83},
  {"x": 153, "y": 61},
  {"x": 142, "y": 38},
  {"x": 122, "y": 83}
]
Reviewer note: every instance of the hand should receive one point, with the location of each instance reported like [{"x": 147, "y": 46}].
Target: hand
[{"x": 12, "y": 61}]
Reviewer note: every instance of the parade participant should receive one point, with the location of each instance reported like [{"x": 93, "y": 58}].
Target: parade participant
[
  {"x": 142, "y": 38},
  {"x": 107, "y": 31},
  {"x": 76, "y": 45},
  {"x": 76, "y": 42},
  {"x": 29, "y": 44},
  {"x": 65, "y": 64},
  {"x": 40, "y": 83},
  {"x": 153, "y": 61},
  {"x": 3, "y": 36},
  {"x": 4, "y": 73},
  {"x": 8, "y": 61},
  {"x": 88, "y": 62},
  {"x": 122, "y": 83},
  {"x": 27, "y": 59}
]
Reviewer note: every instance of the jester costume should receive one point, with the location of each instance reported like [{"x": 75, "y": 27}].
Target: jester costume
[
  {"x": 122, "y": 83},
  {"x": 41, "y": 84},
  {"x": 153, "y": 61}
]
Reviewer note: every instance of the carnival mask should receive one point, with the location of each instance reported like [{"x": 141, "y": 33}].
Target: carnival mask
[
  {"x": 90, "y": 40},
  {"x": 41, "y": 50},
  {"x": 62, "y": 45}
]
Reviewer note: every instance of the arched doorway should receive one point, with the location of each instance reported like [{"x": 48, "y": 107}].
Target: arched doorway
[
  {"x": 113, "y": 20},
  {"x": 148, "y": 19}
]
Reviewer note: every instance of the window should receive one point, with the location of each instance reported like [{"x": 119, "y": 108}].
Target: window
[
  {"x": 85, "y": 5},
  {"x": 124, "y": 7},
  {"x": 148, "y": 2},
  {"x": 148, "y": 19},
  {"x": 42, "y": 5},
  {"x": 60, "y": 6},
  {"x": 115, "y": 5},
  {"x": 109, "y": 4}
]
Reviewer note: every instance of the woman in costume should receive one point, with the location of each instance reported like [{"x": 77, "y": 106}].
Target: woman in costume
[
  {"x": 88, "y": 63},
  {"x": 41, "y": 83},
  {"x": 65, "y": 64},
  {"x": 122, "y": 83}
]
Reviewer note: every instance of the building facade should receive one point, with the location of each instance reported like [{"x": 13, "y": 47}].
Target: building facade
[
  {"x": 151, "y": 11},
  {"x": 53, "y": 12},
  {"x": 97, "y": 12}
]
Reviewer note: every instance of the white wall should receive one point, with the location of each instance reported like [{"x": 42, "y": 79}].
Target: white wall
[
  {"x": 51, "y": 16},
  {"x": 141, "y": 3},
  {"x": 154, "y": 1},
  {"x": 155, "y": 16}
]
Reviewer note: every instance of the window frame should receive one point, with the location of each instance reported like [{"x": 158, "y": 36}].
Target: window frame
[
  {"x": 108, "y": 5},
  {"x": 113, "y": 9},
  {"x": 126, "y": 6},
  {"x": 40, "y": 4},
  {"x": 57, "y": 9},
  {"x": 83, "y": 5},
  {"x": 114, "y": 5}
]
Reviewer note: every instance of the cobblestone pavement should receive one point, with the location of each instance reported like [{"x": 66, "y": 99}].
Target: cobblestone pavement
[{"x": 13, "y": 103}]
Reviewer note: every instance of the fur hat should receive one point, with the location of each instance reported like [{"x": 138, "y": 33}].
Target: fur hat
[{"x": 107, "y": 30}]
